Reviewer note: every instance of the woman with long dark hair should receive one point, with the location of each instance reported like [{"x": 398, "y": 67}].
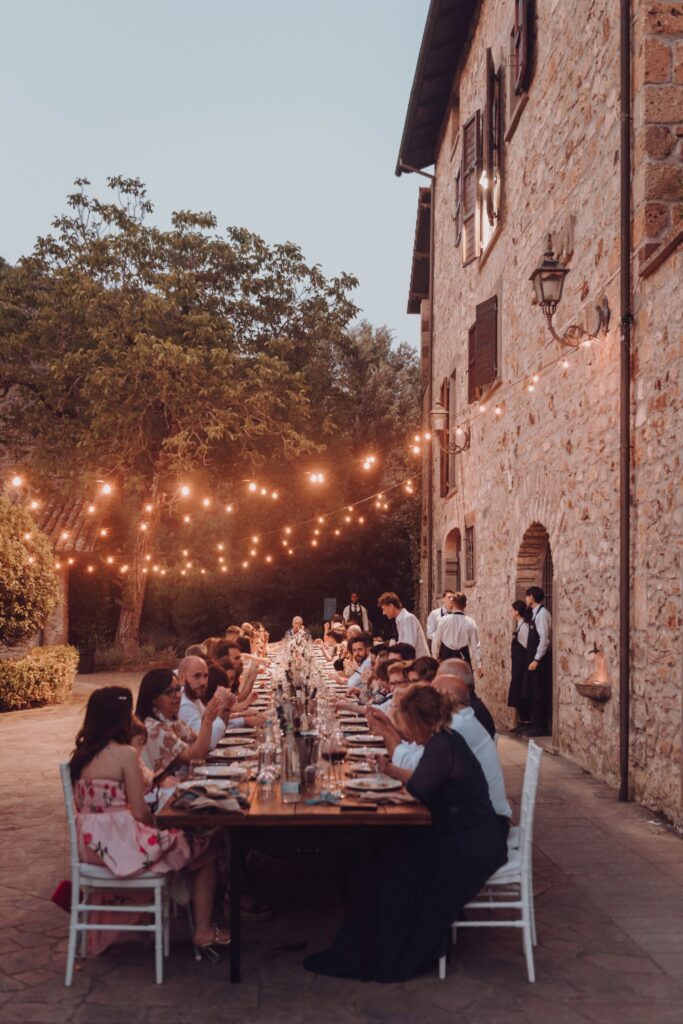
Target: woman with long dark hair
[
  {"x": 114, "y": 824},
  {"x": 171, "y": 744},
  {"x": 423, "y": 879},
  {"x": 518, "y": 697}
]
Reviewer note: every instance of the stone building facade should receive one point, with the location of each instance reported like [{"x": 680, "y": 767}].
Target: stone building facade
[{"x": 515, "y": 109}]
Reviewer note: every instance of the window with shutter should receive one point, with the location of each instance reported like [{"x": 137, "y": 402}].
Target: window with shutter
[
  {"x": 470, "y": 561},
  {"x": 482, "y": 361},
  {"x": 492, "y": 162},
  {"x": 470, "y": 174},
  {"x": 520, "y": 60},
  {"x": 457, "y": 215},
  {"x": 487, "y": 343},
  {"x": 472, "y": 364}
]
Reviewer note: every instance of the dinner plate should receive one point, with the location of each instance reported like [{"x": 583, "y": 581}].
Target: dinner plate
[
  {"x": 378, "y": 783},
  {"x": 220, "y": 771},
  {"x": 367, "y": 738},
  {"x": 352, "y": 727},
  {"x": 240, "y": 730},
  {"x": 367, "y": 751},
  {"x": 235, "y": 753}
]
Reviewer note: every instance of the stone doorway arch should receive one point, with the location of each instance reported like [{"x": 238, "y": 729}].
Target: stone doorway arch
[{"x": 535, "y": 569}]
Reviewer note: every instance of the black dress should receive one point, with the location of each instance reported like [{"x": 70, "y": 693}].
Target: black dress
[
  {"x": 424, "y": 876},
  {"x": 517, "y": 694}
]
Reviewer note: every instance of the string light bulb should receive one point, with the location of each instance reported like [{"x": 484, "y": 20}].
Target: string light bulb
[
  {"x": 143, "y": 527},
  {"x": 148, "y": 558},
  {"x": 91, "y": 568},
  {"x": 206, "y": 502},
  {"x": 316, "y": 478},
  {"x": 34, "y": 505},
  {"x": 497, "y": 411},
  {"x": 245, "y": 565},
  {"x": 31, "y": 559},
  {"x": 288, "y": 530},
  {"x": 224, "y": 568},
  {"x": 106, "y": 488},
  {"x": 185, "y": 491},
  {"x": 70, "y": 561},
  {"x": 254, "y": 539},
  {"x": 58, "y": 565},
  {"x": 90, "y": 509},
  {"x": 269, "y": 559},
  {"x": 103, "y": 532},
  {"x": 17, "y": 481},
  {"x": 187, "y": 519},
  {"x": 185, "y": 552},
  {"x": 415, "y": 449},
  {"x": 64, "y": 535},
  {"x": 124, "y": 568},
  {"x": 148, "y": 507},
  {"x": 253, "y": 487},
  {"x": 565, "y": 364},
  {"x": 110, "y": 560},
  {"x": 221, "y": 547},
  {"x": 27, "y": 536},
  {"x": 482, "y": 407},
  {"x": 229, "y": 508},
  {"x": 535, "y": 378},
  {"x": 274, "y": 495}
]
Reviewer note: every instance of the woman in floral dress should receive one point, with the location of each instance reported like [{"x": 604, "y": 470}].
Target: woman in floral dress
[{"x": 115, "y": 827}]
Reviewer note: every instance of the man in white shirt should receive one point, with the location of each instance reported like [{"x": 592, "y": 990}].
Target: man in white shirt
[
  {"x": 409, "y": 629},
  {"x": 193, "y": 673},
  {"x": 359, "y": 646},
  {"x": 407, "y": 755},
  {"x": 540, "y": 667},
  {"x": 436, "y": 614},
  {"x": 456, "y": 636},
  {"x": 357, "y": 612}
]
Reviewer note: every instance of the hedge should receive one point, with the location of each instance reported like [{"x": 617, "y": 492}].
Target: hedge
[{"x": 43, "y": 676}]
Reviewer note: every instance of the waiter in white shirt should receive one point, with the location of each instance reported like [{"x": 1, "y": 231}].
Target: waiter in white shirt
[
  {"x": 436, "y": 614},
  {"x": 540, "y": 666},
  {"x": 457, "y": 636},
  {"x": 356, "y": 611},
  {"x": 408, "y": 627}
]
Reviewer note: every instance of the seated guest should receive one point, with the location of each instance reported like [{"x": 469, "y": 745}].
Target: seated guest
[
  {"x": 360, "y": 662},
  {"x": 298, "y": 630},
  {"x": 422, "y": 879},
  {"x": 171, "y": 744},
  {"x": 461, "y": 670},
  {"x": 193, "y": 673},
  {"x": 230, "y": 655},
  {"x": 115, "y": 827},
  {"x": 423, "y": 670},
  {"x": 398, "y": 682},
  {"x": 196, "y": 651},
  {"x": 401, "y": 652},
  {"x": 407, "y": 755},
  {"x": 245, "y": 637},
  {"x": 209, "y": 646}
]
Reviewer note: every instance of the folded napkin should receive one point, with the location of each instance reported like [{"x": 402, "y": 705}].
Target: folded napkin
[
  {"x": 207, "y": 798},
  {"x": 324, "y": 797}
]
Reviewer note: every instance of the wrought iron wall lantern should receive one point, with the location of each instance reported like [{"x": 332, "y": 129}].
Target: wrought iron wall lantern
[
  {"x": 548, "y": 281},
  {"x": 439, "y": 420}
]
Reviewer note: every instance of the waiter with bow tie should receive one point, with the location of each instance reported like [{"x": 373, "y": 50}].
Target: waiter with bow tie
[
  {"x": 356, "y": 612},
  {"x": 457, "y": 636},
  {"x": 436, "y": 614}
]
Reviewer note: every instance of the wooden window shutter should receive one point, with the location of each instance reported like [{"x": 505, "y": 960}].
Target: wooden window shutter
[
  {"x": 522, "y": 49},
  {"x": 470, "y": 173},
  {"x": 491, "y": 135},
  {"x": 472, "y": 364},
  {"x": 486, "y": 343},
  {"x": 443, "y": 457},
  {"x": 458, "y": 206}
]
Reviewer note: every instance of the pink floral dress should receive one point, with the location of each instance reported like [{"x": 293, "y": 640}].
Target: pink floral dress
[{"x": 109, "y": 834}]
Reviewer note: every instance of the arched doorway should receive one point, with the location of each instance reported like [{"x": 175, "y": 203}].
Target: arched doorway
[
  {"x": 452, "y": 575},
  {"x": 535, "y": 569}
]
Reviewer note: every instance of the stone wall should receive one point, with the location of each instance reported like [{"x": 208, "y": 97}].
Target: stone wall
[{"x": 551, "y": 455}]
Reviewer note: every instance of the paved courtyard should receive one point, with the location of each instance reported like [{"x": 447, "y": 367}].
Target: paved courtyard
[{"x": 609, "y": 889}]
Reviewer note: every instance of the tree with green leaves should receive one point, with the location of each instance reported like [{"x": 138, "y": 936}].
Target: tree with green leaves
[
  {"x": 143, "y": 357},
  {"x": 28, "y": 583}
]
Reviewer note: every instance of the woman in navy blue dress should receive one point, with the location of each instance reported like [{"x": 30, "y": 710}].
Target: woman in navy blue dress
[{"x": 424, "y": 877}]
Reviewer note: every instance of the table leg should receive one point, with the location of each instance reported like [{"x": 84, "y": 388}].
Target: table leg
[{"x": 235, "y": 904}]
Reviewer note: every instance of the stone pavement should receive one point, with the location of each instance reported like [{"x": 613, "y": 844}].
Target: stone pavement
[{"x": 608, "y": 881}]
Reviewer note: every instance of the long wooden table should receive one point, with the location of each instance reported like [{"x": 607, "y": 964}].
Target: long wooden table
[{"x": 273, "y": 814}]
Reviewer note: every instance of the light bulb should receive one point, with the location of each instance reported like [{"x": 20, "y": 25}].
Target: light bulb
[
  {"x": 70, "y": 561},
  {"x": 254, "y": 539},
  {"x": 110, "y": 560},
  {"x": 264, "y": 491},
  {"x": 91, "y": 508},
  {"x": 274, "y": 495},
  {"x": 245, "y": 565},
  {"x": 530, "y": 387},
  {"x": 58, "y": 565},
  {"x": 183, "y": 573},
  {"x": 269, "y": 558},
  {"x": 288, "y": 529},
  {"x": 347, "y": 519},
  {"x": 185, "y": 552},
  {"x": 106, "y": 488},
  {"x": 31, "y": 560},
  {"x": 498, "y": 410},
  {"x": 206, "y": 502},
  {"x": 228, "y": 508},
  {"x": 337, "y": 533},
  {"x": 91, "y": 568},
  {"x": 103, "y": 533},
  {"x": 224, "y": 568},
  {"x": 148, "y": 507},
  {"x": 535, "y": 378},
  {"x": 124, "y": 568},
  {"x": 253, "y": 552},
  {"x": 321, "y": 519},
  {"x": 17, "y": 481},
  {"x": 148, "y": 558},
  {"x": 253, "y": 487},
  {"x": 482, "y": 407},
  {"x": 64, "y": 535},
  {"x": 27, "y": 536},
  {"x": 314, "y": 543},
  {"x": 565, "y": 364},
  {"x": 185, "y": 490},
  {"x": 221, "y": 547},
  {"x": 416, "y": 449},
  {"x": 187, "y": 519}
]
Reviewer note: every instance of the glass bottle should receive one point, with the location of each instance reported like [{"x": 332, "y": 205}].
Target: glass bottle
[{"x": 290, "y": 773}]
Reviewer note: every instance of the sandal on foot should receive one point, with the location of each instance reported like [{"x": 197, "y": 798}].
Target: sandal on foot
[{"x": 216, "y": 940}]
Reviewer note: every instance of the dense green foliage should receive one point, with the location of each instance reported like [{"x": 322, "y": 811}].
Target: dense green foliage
[
  {"x": 28, "y": 585},
  {"x": 43, "y": 676},
  {"x": 147, "y": 357}
]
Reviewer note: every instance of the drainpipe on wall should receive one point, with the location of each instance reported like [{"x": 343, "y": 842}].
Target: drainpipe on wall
[
  {"x": 626, "y": 321},
  {"x": 430, "y": 403}
]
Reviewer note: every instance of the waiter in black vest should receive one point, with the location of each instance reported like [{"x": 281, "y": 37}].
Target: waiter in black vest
[
  {"x": 457, "y": 636},
  {"x": 539, "y": 675}
]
